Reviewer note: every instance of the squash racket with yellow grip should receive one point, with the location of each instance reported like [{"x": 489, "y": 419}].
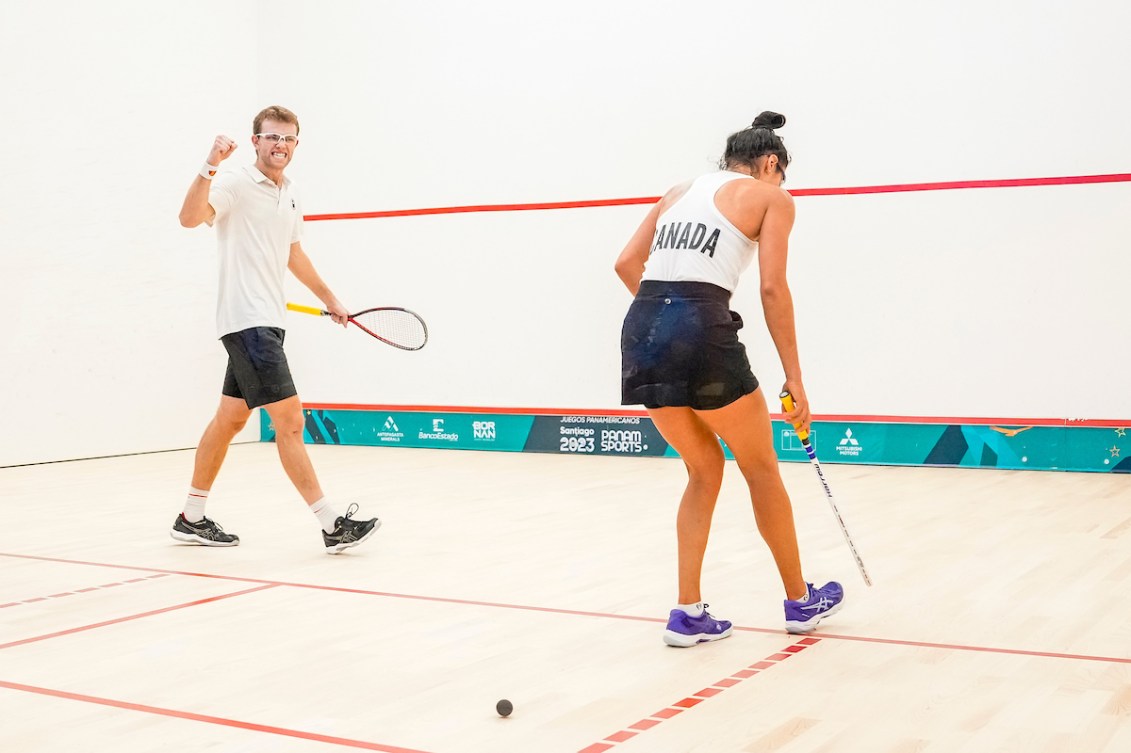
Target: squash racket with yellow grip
[
  {"x": 787, "y": 403},
  {"x": 394, "y": 326}
]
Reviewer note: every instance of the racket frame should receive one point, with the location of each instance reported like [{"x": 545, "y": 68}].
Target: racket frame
[
  {"x": 384, "y": 339},
  {"x": 314, "y": 311},
  {"x": 803, "y": 435}
]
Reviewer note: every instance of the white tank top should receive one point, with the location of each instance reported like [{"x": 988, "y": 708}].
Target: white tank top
[{"x": 694, "y": 242}]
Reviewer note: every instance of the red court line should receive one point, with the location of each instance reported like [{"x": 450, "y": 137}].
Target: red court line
[
  {"x": 976, "y": 649},
  {"x": 693, "y": 700},
  {"x": 119, "y": 620},
  {"x": 187, "y": 715},
  {"x": 842, "y": 191},
  {"x": 576, "y": 612},
  {"x": 837, "y": 417},
  {"x": 340, "y": 589},
  {"x": 77, "y": 591}
]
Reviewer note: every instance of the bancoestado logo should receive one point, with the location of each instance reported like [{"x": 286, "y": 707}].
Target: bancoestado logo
[
  {"x": 390, "y": 432},
  {"x": 483, "y": 431},
  {"x": 438, "y": 432}
]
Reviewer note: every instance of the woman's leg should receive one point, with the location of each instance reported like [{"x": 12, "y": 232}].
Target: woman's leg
[
  {"x": 745, "y": 427},
  {"x": 699, "y": 449}
]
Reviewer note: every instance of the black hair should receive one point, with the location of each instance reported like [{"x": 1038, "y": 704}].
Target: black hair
[{"x": 759, "y": 140}]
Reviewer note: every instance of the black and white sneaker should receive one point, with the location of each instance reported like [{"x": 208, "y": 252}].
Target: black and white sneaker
[
  {"x": 349, "y": 532},
  {"x": 206, "y": 532}
]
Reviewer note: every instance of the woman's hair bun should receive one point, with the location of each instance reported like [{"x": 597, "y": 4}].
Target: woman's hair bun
[{"x": 768, "y": 119}]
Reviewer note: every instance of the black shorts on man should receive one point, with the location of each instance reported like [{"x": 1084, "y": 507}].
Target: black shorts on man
[
  {"x": 680, "y": 347},
  {"x": 257, "y": 372}
]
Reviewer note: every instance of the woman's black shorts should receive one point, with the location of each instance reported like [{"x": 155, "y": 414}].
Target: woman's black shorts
[
  {"x": 679, "y": 347},
  {"x": 257, "y": 372}
]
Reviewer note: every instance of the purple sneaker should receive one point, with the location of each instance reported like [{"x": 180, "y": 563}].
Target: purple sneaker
[
  {"x": 684, "y": 630},
  {"x": 803, "y": 616}
]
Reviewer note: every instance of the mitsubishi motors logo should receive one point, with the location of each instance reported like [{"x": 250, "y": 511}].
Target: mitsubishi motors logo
[{"x": 849, "y": 446}]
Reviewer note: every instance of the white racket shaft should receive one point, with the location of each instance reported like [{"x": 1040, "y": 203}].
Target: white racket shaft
[{"x": 787, "y": 403}]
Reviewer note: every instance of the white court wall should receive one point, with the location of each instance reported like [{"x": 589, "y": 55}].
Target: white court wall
[
  {"x": 109, "y": 109},
  {"x": 995, "y": 302}
]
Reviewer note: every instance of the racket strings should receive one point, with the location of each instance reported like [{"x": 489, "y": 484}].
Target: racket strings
[{"x": 398, "y": 327}]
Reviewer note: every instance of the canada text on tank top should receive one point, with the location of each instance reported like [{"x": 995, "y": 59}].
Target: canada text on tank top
[{"x": 694, "y": 242}]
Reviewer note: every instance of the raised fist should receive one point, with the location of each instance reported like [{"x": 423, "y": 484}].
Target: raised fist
[{"x": 222, "y": 148}]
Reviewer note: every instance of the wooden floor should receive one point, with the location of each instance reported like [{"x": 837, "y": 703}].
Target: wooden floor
[{"x": 1000, "y": 619}]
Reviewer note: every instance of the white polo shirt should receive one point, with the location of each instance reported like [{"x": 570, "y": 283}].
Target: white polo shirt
[{"x": 256, "y": 222}]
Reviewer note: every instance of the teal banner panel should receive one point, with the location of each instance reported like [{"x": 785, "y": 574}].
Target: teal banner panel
[
  {"x": 940, "y": 444},
  {"x": 596, "y": 435},
  {"x": 1066, "y": 447},
  {"x": 460, "y": 431},
  {"x": 1099, "y": 449}
]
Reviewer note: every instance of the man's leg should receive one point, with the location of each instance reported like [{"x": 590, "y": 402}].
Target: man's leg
[
  {"x": 286, "y": 415},
  {"x": 338, "y": 532},
  {"x": 230, "y": 418},
  {"x": 192, "y": 526}
]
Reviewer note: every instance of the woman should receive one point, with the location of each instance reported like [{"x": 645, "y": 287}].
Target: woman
[{"x": 681, "y": 359}]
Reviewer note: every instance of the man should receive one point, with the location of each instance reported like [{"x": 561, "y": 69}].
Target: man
[{"x": 258, "y": 224}]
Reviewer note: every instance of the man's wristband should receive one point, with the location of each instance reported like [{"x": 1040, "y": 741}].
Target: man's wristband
[{"x": 207, "y": 171}]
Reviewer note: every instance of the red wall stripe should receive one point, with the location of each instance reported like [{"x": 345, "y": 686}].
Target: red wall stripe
[
  {"x": 483, "y": 208},
  {"x": 1068, "y": 180},
  {"x": 840, "y": 418},
  {"x": 843, "y": 191}
]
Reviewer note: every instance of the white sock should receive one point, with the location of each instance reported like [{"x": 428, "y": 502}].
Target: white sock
[
  {"x": 692, "y": 610},
  {"x": 808, "y": 594},
  {"x": 194, "y": 504},
  {"x": 326, "y": 514}
]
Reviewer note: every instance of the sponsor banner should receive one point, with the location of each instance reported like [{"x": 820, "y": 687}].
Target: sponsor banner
[
  {"x": 1082, "y": 448},
  {"x": 463, "y": 431},
  {"x": 595, "y": 435},
  {"x": 1067, "y": 447}
]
